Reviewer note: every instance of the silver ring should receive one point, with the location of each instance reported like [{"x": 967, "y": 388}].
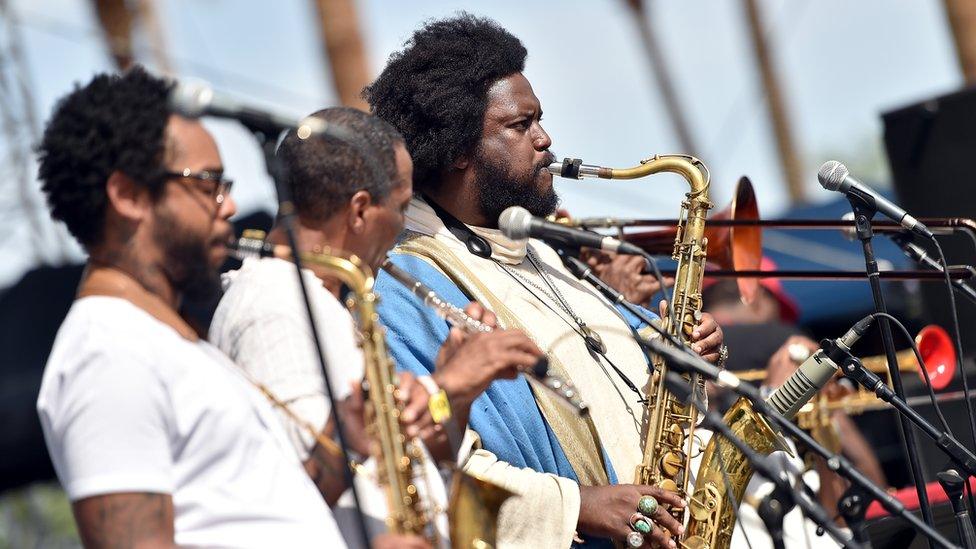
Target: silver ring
[
  {"x": 723, "y": 355},
  {"x": 635, "y": 539}
]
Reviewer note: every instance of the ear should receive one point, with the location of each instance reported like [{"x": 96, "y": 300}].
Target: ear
[
  {"x": 128, "y": 199},
  {"x": 357, "y": 211},
  {"x": 461, "y": 163}
]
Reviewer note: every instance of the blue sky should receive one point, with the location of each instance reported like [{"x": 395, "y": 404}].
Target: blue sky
[{"x": 842, "y": 63}]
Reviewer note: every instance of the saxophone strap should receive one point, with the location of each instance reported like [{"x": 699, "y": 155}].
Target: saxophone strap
[{"x": 577, "y": 436}]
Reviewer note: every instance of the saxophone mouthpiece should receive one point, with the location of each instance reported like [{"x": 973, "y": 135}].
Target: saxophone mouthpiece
[{"x": 574, "y": 168}]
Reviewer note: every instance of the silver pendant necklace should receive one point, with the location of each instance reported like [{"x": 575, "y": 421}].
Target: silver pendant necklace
[{"x": 590, "y": 336}]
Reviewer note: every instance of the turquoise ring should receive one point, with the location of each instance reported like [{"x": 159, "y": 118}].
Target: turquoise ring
[
  {"x": 641, "y": 524},
  {"x": 647, "y": 505}
]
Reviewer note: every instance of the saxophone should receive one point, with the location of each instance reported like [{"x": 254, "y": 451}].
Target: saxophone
[
  {"x": 669, "y": 423},
  {"x": 473, "y": 503}
]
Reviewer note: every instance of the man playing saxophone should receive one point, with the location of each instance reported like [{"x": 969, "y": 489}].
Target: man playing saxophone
[
  {"x": 155, "y": 436},
  {"x": 473, "y": 127},
  {"x": 344, "y": 207}
]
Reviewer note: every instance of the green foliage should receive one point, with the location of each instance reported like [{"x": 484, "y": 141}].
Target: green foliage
[{"x": 37, "y": 516}]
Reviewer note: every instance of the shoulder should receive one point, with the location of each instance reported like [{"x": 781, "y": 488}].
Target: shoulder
[{"x": 264, "y": 288}]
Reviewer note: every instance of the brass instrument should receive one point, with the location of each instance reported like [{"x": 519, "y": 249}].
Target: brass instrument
[
  {"x": 473, "y": 503},
  {"x": 727, "y": 228},
  {"x": 539, "y": 376},
  {"x": 395, "y": 455},
  {"x": 670, "y": 424},
  {"x": 737, "y": 247},
  {"x": 938, "y": 355}
]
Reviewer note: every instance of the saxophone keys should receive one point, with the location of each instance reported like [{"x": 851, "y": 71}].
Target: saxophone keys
[
  {"x": 669, "y": 485},
  {"x": 672, "y": 463},
  {"x": 704, "y": 502}
]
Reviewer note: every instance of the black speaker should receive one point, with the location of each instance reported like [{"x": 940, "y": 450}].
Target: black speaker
[{"x": 931, "y": 147}]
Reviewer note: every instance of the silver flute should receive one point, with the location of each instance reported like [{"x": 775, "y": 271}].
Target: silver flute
[{"x": 539, "y": 376}]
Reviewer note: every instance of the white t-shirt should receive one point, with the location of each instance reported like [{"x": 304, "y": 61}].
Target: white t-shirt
[
  {"x": 262, "y": 325},
  {"x": 128, "y": 405}
]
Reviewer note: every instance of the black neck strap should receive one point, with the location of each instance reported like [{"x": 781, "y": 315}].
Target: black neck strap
[{"x": 477, "y": 245}]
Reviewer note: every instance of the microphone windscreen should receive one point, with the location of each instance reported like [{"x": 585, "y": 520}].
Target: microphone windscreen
[
  {"x": 514, "y": 222},
  {"x": 832, "y": 174},
  {"x": 190, "y": 99}
]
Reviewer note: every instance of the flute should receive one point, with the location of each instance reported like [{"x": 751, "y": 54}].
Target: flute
[{"x": 539, "y": 376}]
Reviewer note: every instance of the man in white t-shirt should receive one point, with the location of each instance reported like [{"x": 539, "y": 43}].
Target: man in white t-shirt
[
  {"x": 349, "y": 205},
  {"x": 154, "y": 434}
]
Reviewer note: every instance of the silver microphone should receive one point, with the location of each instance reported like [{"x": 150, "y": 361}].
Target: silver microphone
[
  {"x": 518, "y": 224},
  {"x": 194, "y": 99},
  {"x": 834, "y": 176},
  {"x": 813, "y": 374}
]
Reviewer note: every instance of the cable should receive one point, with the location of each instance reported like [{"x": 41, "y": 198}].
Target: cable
[
  {"x": 960, "y": 359},
  {"x": 921, "y": 366},
  {"x": 728, "y": 489},
  {"x": 652, "y": 263},
  {"x": 956, "y": 332}
]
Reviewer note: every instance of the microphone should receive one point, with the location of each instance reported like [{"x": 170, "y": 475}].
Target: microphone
[
  {"x": 834, "y": 176},
  {"x": 815, "y": 372},
  {"x": 517, "y": 223},
  {"x": 196, "y": 99}
]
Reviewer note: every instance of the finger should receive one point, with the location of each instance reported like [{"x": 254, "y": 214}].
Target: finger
[
  {"x": 706, "y": 326},
  {"x": 710, "y": 343},
  {"x": 662, "y": 307},
  {"x": 474, "y": 310},
  {"x": 662, "y": 496},
  {"x": 416, "y": 405},
  {"x": 664, "y": 519},
  {"x": 514, "y": 339},
  {"x": 488, "y": 318},
  {"x": 514, "y": 359},
  {"x": 711, "y": 357},
  {"x": 659, "y": 537}
]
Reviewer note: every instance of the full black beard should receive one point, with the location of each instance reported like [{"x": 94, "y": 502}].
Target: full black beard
[
  {"x": 498, "y": 190},
  {"x": 187, "y": 261}
]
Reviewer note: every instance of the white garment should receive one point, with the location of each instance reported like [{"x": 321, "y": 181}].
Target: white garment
[
  {"x": 614, "y": 407},
  {"x": 128, "y": 405},
  {"x": 262, "y": 325},
  {"x": 546, "y": 510}
]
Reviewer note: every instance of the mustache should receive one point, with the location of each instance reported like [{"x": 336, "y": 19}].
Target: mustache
[{"x": 548, "y": 159}]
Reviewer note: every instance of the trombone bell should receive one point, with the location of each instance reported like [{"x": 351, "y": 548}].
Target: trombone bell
[
  {"x": 934, "y": 344},
  {"x": 737, "y": 247}
]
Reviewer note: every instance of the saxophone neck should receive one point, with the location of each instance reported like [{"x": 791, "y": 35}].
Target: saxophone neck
[{"x": 690, "y": 168}]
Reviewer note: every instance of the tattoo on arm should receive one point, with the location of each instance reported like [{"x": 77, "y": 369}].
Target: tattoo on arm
[{"x": 125, "y": 521}]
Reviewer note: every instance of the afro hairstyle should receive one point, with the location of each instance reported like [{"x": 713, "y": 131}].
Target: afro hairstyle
[
  {"x": 117, "y": 122},
  {"x": 435, "y": 91}
]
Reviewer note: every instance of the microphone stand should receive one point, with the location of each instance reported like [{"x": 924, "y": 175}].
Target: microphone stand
[
  {"x": 862, "y": 223},
  {"x": 953, "y": 484},
  {"x": 958, "y": 453},
  {"x": 783, "y": 497},
  {"x": 286, "y": 217},
  {"x": 918, "y": 254},
  {"x": 693, "y": 363}
]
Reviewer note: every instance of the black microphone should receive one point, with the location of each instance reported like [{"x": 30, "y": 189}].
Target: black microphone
[
  {"x": 196, "y": 99},
  {"x": 517, "y": 223},
  {"x": 834, "y": 176},
  {"x": 815, "y": 372}
]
